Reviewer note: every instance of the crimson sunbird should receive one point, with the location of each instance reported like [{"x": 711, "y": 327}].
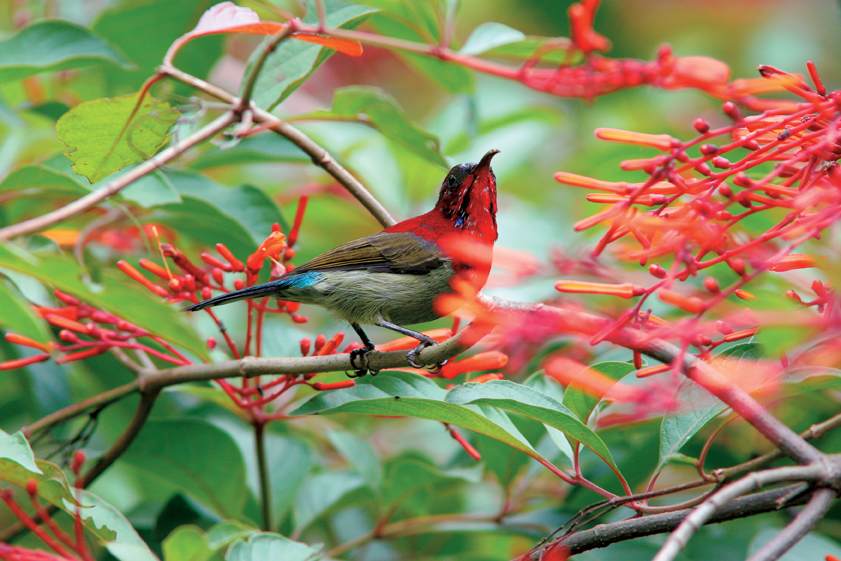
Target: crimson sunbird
[{"x": 393, "y": 277}]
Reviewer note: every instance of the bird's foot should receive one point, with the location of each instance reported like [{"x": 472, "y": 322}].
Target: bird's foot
[
  {"x": 413, "y": 354},
  {"x": 361, "y": 354}
]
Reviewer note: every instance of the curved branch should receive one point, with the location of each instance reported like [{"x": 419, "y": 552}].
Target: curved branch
[
  {"x": 604, "y": 535},
  {"x": 113, "y": 187},
  {"x": 319, "y": 155},
  {"x": 700, "y": 515},
  {"x": 797, "y": 529}
]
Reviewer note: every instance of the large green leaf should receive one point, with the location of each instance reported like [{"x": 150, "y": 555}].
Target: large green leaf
[
  {"x": 240, "y": 217},
  {"x": 191, "y": 543},
  {"x": 18, "y": 466},
  {"x": 144, "y": 30},
  {"x": 360, "y": 454},
  {"x": 488, "y": 36},
  {"x": 378, "y": 109},
  {"x": 453, "y": 78},
  {"x": 580, "y": 401},
  {"x": 293, "y": 62},
  {"x": 261, "y": 148},
  {"x": 18, "y": 316},
  {"x": 121, "y": 539},
  {"x": 407, "y": 394},
  {"x": 102, "y": 140},
  {"x": 419, "y": 15},
  {"x": 528, "y": 402},
  {"x": 290, "y": 461},
  {"x": 696, "y": 407},
  {"x": 151, "y": 190},
  {"x": 42, "y": 181},
  {"x": 198, "y": 458},
  {"x": 115, "y": 293},
  {"x": 322, "y": 492},
  {"x": 261, "y": 547},
  {"x": 50, "y": 46}
]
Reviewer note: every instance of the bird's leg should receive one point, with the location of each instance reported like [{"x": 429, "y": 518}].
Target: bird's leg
[
  {"x": 424, "y": 343},
  {"x": 360, "y": 353}
]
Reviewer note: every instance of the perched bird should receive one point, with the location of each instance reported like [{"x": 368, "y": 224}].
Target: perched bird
[{"x": 393, "y": 277}]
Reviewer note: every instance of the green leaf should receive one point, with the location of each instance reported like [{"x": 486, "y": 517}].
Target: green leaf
[
  {"x": 293, "y": 62},
  {"x": 488, "y": 36},
  {"x": 320, "y": 492},
  {"x": 408, "y": 475},
  {"x": 580, "y": 401},
  {"x": 102, "y": 140},
  {"x": 360, "y": 454},
  {"x": 696, "y": 407},
  {"x": 240, "y": 217},
  {"x": 406, "y": 394},
  {"x": 198, "y": 458},
  {"x": 290, "y": 461},
  {"x": 261, "y": 148},
  {"x": 453, "y": 78},
  {"x": 261, "y": 547},
  {"x": 528, "y": 402},
  {"x": 15, "y": 448},
  {"x": 116, "y": 294},
  {"x": 144, "y": 30},
  {"x": 111, "y": 526},
  {"x": 18, "y": 316},
  {"x": 151, "y": 190},
  {"x": 223, "y": 534},
  {"x": 42, "y": 181},
  {"x": 186, "y": 543},
  {"x": 18, "y": 466},
  {"x": 381, "y": 111},
  {"x": 50, "y": 46},
  {"x": 419, "y": 15}
]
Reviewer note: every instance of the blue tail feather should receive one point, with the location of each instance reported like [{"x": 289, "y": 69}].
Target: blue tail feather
[{"x": 274, "y": 288}]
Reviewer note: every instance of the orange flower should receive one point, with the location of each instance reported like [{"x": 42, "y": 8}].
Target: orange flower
[{"x": 271, "y": 248}]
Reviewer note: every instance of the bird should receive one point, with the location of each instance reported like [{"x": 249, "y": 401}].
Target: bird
[{"x": 392, "y": 278}]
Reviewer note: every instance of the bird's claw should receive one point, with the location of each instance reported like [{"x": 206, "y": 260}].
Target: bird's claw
[
  {"x": 412, "y": 355},
  {"x": 362, "y": 354}
]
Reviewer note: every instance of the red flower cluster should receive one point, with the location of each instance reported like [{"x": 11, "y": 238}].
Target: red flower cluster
[{"x": 691, "y": 213}]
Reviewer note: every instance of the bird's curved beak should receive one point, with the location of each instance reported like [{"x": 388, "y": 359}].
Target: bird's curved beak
[{"x": 484, "y": 165}]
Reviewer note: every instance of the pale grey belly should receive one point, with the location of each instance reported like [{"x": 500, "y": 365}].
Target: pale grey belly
[{"x": 363, "y": 297}]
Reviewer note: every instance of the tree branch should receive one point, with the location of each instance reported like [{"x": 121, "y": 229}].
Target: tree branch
[
  {"x": 604, "y": 535},
  {"x": 802, "y": 524}
]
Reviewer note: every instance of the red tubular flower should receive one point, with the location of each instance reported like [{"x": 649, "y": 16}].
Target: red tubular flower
[
  {"x": 21, "y": 362},
  {"x": 487, "y": 377},
  {"x": 81, "y": 355},
  {"x": 691, "y": 304},
  {"x": 793, "y": 261},
  {"x": 624, "y": 290},
  {"x": 322, "y": 386},
  {"x": 27, "y": 342},
  {"x": 658, "y": 141},
  {"x": 489, "y": 360},
  {"x": 236, "y": 264},
  {"x": 135, "y": 275},
  {"x": 652, "y": 370}
]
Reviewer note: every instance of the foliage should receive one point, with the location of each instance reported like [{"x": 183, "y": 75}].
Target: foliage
[{"x": 138, "y": 432}]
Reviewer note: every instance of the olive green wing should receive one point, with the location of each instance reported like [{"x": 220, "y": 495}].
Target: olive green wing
[{"x": 384, "y": 252}]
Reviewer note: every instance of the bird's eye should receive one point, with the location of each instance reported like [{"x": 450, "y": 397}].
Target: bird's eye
[{"x": 452, "y": 182}]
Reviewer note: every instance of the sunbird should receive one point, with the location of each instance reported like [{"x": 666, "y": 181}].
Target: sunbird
[{"x": 392, "y": 278}]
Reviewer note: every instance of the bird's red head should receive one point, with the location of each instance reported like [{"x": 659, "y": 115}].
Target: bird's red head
[{"x": 468, "y": 198}]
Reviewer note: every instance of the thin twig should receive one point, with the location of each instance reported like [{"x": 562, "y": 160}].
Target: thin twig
[
  {"x": 802, "y": 524},
  {"x": 112, "y": 188},
  {"x": 250, "y": 79},
  {"x": 319, "y": 155}
]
